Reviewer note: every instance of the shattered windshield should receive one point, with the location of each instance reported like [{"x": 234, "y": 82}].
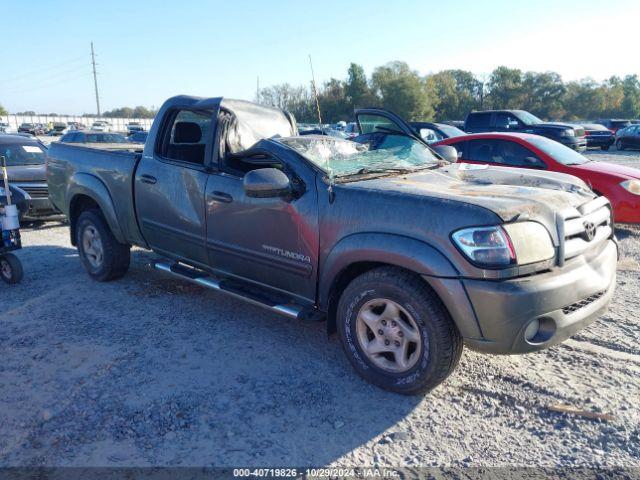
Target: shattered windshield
[{"x": 370, "y": 154}]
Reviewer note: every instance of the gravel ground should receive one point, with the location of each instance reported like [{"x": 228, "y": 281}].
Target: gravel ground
[{"x": 151, "y": 371}]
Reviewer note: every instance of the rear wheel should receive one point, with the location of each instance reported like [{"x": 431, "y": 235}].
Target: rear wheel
[
  {"x": 619, "y": 145},
  {"x": 396, "y": 332},
  {"x": 10, "y": 268},
  {"x": 101, "y": 254}
]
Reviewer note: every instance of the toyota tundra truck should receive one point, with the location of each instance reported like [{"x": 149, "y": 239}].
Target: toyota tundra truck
[{"x": 406, "y": 255}]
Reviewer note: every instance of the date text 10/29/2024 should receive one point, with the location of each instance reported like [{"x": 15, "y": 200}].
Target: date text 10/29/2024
[{"x": 345, "y": 473}]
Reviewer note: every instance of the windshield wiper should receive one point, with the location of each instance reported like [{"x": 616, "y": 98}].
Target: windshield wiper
[{"x": 367, "y": 171}]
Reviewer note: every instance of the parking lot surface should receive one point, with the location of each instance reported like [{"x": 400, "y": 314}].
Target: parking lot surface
[{"x": 148, "y": 370}]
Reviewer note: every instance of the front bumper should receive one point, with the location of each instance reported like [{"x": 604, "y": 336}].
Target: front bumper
[
  {"x": 38, "y": 209},
  {"x": 626, "y": 209},
  {"x": 578, "y": 144},
  {"x": 564, "y": 300},
  {"x": 599, "y": 141}
]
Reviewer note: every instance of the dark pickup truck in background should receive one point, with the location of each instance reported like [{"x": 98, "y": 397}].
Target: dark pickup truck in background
[
  {"x": 572, "y": 136},
  {"x": 405, "y": 255}
]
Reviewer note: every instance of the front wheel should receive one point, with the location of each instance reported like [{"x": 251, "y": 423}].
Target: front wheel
[
  {"x": 10, "y": 268},
  {"x": 396, "y": 332},
  {"x": 619, "y": 145}
]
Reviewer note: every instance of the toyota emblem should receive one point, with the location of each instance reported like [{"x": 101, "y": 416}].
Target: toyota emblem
[{"x": 589, "y": 230}]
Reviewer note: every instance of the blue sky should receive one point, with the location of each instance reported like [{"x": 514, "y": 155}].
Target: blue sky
[{"x": 150, "y": 50}]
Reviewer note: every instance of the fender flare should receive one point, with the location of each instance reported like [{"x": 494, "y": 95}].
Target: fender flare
[
  {"x": 92, "y": 187},
  {"x": 391, "y": 249}
]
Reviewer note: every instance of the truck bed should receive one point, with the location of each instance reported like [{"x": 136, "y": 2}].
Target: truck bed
[{"x": 71, "y": 165}]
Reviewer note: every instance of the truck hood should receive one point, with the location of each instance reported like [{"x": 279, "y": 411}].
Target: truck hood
[
  {"x": 508, "y": 192},
  {"x": 27, "y": 173},
  {"x": 559, "y": 125}
]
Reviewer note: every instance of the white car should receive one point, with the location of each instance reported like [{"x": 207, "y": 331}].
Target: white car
[
  {"x": 101, "y": 126},
  {"x": 6, "y": 128}
]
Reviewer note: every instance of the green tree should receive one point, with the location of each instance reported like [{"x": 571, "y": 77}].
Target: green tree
[
  {"x": 612, "y": 91},
  {"x": 333, "y": 102},
  {"x": 583, "y": 99},
  {"x": 128, "y": 112},
  {"x": 402, "y": 90},
  {"x": 543, "y": 94},
  {"x": 505, "y": 88},
  {"x": 3, "y": 111},
  {"x": 457, "y": 92},
  {"x": 357, "y": 90},
  {"x": 630, "y": 107},
  {"x": 296, "y": 100}
]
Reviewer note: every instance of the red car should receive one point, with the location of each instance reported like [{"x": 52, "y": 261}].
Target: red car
[{"x": 620, "y": 184}]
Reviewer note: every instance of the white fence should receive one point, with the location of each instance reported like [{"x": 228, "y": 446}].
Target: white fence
[{"x": 117, "y": 124}]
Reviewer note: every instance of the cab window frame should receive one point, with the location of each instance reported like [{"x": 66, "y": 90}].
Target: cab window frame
[{"x": 163, "y": 139}]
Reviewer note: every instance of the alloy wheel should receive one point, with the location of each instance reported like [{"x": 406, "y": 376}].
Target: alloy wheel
[
  {"x": 92, "y": 246},
  {"x": 388, "y": 335}
]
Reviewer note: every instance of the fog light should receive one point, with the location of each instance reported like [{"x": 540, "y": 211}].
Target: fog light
[{"x": 532, "y": 330}]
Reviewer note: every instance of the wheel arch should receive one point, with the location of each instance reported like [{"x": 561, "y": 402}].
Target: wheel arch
[
  {"x": 359, "y": 253},
  {"x": 85, "y": 192}
]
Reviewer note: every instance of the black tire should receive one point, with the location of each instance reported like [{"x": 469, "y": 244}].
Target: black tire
[
  {"x": 441, "y": 341},
  {"x": 10, "y": 268},
  {"x": 619, "y": 145},
  {"x": 604, "y": 147},
  {"x": 115, "y": 258}
]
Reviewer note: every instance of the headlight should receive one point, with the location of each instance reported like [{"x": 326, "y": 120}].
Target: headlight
[
  {"x": 531, "y": 242},
  {"x": 519, "y": 243},
  {"x": 568, "y": 133},
  {"x": 486, "y": 246},
  {"x": 632, "y": 186}
]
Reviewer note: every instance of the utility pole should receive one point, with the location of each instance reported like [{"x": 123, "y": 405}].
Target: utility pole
[
  {"x": 95, "y": 78},
  {"x": 258, "y": 89}
]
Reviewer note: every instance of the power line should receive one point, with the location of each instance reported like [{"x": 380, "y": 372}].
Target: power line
[
  {"x": 45, "y": 80},
  {"x": 45, "y": 69},
  {"x": 46, "y": 85}
]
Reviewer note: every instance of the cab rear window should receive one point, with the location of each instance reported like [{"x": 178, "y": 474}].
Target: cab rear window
[{"x": 475, "y": 120}]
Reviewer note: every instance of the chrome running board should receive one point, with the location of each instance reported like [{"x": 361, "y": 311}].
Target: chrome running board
[{"x": 248, "y": 293}]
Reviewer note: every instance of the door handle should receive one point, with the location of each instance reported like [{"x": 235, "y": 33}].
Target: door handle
[
  {"x": 148, "y": 179},
  {"x": 220, "y": 197}
]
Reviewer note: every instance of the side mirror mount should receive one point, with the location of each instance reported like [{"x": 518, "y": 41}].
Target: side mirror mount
[
  {"x": 266, "y": 183},
  {"x": 449, "y": 153}
]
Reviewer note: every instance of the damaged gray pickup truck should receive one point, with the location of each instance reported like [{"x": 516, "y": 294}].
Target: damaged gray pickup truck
[{"x": 405, "y": 255}]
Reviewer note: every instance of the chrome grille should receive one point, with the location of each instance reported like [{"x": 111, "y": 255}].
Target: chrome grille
[
  {"x": 586, "y": 227},
  {"x": 574, "y": 307}
]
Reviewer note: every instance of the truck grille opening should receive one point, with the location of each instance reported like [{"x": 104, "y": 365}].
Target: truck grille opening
[
  {"x": 574, "y": 307},
  {"x": 587, "y": 227},
  {"x": 35, "y": 191}
]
